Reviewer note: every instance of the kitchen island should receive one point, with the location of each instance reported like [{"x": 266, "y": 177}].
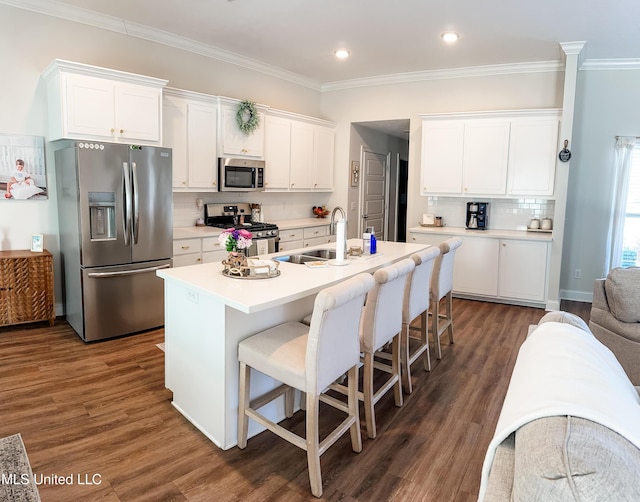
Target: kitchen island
[{"x": 208, "y": 314}]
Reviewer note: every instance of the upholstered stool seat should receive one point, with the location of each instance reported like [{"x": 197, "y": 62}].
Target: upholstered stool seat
[{"x": 309, "y": 359}]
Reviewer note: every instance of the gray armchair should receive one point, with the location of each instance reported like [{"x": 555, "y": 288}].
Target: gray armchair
[{"x": 615, "y": 317}]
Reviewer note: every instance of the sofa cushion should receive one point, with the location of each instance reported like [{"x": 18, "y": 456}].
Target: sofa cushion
[
  {"x": 566, "y": 458},
  {"x": 623, "y": 293},
  {"x": 566, "y": 318}
]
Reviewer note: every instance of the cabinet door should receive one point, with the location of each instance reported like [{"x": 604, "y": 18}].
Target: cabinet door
[
  {"x": 237, "y": 143},
  {"x": 485, "y": 157},
  {"x": 174, "y": 131},
  {"x": 138, "y": 113},
  {"x": 532, "y": 156},
  {"x": 277, "y": 152},
  {"x": 301, "y": 175},
  {"x": 442, "y": 147},
  {"x": 475, "y": 269},
  {"x": 90, "y": 109},
  {"x": 201, "y": 146},
  {"x": 523, "y": 270},
  {"x": 323, "y": 162}
]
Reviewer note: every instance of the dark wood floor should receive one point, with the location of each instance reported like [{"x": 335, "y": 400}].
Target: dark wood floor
[{"x": 100, "y": 412}]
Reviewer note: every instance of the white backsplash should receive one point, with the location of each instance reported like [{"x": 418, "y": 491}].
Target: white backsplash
[
  {"x": 275, "y": 206},
  {"x": 504, "y": 214}
]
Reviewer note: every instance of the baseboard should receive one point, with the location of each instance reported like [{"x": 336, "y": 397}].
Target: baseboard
[{"x": 576, "y": 296}]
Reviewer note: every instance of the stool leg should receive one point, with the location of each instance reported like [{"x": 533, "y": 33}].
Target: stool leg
[
  {"x": 435, "y": 326},
  {"x": 450, "y": 315},
  {"x": 395, "y": 369},
  {"x": 424, "y": 339},
  {"x": 405, "y": 355},
  {"x": 243, "y": 404},
  {"x": 288, "y": 402},
  {"x": 313, "y": 445},
  {"x": 367, "y": 384},
  {"x": 354, "y": 410}
]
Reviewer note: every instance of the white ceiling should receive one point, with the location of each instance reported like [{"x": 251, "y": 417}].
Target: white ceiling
[{"x": 385, "y": 37}]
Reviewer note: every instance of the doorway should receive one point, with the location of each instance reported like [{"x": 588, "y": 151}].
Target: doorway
[
  {"x": 374, "y": 197},
  {"x": 388, "y": 142}
]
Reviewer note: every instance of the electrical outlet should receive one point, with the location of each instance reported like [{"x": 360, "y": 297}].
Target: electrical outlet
[{"x": 577, "y": 274}]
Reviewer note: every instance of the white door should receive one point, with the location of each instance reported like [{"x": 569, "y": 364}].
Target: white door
[{"x": 374, "y": 193}]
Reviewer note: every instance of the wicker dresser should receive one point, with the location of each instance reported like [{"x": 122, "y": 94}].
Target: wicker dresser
[{"x": 26, "y": 287}]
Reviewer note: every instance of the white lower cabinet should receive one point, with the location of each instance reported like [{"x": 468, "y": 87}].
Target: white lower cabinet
[
  {"x": 212, "y": 251},
  {"x": 523, "y": 270},
  {"x": 187, "y": 252},
  {"x": 497, "y": 269},
  {"x": 303, "y": 237}
]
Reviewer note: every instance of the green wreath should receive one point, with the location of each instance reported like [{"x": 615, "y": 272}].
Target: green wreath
[{"x": 247, "y": 117}]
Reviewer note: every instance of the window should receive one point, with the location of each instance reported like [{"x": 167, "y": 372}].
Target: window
[{"x": 631, "y": 232}]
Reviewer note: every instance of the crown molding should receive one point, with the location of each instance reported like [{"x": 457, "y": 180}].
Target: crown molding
[
  {"x": 611, "y": 64},
  {"x": 471, "y": 71},
  {"x": 117, "y": 25}
]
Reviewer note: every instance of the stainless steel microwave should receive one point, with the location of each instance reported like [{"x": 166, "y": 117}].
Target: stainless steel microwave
[{"x": 240, "y": 175}]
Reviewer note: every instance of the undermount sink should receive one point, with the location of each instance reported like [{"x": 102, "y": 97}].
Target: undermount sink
[{"x": 307, "y": 256}]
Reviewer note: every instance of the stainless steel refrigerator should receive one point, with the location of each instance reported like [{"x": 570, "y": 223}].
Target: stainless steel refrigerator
[{"x": 115, "y": 219}]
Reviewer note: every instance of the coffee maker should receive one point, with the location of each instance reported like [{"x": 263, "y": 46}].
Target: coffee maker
[{"x": 477, "y": 217}]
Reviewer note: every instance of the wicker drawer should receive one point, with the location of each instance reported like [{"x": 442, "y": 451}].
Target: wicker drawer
[{"x": 26, "y": 287}]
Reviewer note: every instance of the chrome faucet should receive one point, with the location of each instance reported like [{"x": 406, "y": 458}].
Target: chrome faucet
[{"x": 332, "y": 225}]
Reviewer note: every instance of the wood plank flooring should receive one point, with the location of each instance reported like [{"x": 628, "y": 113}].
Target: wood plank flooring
[{"x": 98, "y": 415}]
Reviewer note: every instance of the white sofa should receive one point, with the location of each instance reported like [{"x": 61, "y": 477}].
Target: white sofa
[{"x": 569, "y": 429}]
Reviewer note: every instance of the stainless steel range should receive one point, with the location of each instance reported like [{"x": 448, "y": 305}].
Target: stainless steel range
[{"x": 265, "y": 236}]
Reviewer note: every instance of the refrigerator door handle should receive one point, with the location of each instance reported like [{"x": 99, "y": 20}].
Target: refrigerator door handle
[
  {"x": 100, "y": 275},
  {"x": 127, "y": 202},
  {"x": 136, "y": 209}
]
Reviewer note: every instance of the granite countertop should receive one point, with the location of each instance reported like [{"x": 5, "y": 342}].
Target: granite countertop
[{"x": 491, "y": 233}]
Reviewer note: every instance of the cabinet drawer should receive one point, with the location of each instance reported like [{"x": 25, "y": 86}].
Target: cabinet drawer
[
  {"x": 214, "y": 256},
  {"x": 316, "y": 241},
  {"x": 183, "y": 260},
  {"x": 290, "y": 245},
  {"x": 313, "y": 232},
  {"x": 211, "y": 244},
  {"x": 184, "y": 246},
  {"x": 293, "y": 234}
]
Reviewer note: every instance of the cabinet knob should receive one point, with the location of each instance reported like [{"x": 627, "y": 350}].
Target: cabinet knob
[
  {"x": 112, "y": 130},
  {"x": 504, "y": 244},
  {"x": 414, "y": 238},
  {"x": 186, "y": 247},
  {"x": 199, "y": 259}
]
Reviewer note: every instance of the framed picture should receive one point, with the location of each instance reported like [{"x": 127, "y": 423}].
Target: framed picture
[
  {"x": 37, "y": 243},
  {"x": 23, "y": 173}
]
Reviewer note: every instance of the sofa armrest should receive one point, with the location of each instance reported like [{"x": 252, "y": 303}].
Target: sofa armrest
[{"x": 599, "y": 295}]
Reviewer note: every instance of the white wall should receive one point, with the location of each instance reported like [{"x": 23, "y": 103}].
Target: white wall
[{"x": 607, "y": 105}]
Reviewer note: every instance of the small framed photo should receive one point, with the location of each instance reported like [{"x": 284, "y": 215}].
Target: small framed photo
[{"x": 37, "y": 243}]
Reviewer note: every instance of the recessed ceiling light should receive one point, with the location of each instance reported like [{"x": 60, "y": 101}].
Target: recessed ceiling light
[
  {"x": 450, "y": 36},
  {"x": 342, "y": 53}
]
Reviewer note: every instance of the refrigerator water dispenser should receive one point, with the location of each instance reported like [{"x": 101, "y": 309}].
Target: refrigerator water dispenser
[{"x": 102, "y": 215}]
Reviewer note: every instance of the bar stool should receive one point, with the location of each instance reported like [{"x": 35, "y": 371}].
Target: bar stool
[
  {"x": 441, "y": 287},
  {"x": 416, "y": 303},
  {"x": 309, "y": 358},
  {"x": 381, "y": 324}
]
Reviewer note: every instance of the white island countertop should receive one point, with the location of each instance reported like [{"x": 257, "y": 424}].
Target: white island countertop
[{"x": 295, "y": 280}]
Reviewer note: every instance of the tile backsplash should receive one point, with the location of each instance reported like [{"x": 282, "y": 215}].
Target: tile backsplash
[
  {"x": 504, "y": 214},
  {"x": 275, "y": 206}
]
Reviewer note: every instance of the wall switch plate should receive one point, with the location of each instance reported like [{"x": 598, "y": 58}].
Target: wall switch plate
[{"x": 355, "y": 173}]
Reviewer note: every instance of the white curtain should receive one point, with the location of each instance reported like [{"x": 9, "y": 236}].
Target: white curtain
[{"x": 623, "y": 155}]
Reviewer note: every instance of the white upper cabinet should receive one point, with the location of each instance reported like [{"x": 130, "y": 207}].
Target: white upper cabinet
[
  {"x": 532, "y": 156},
  {"x": 484, "y": 158},
  {"x": 87, "y": 102},
  {"x": 190, "y": 130},
  {"x": 299, "y": 153},
  {"x": 232, "y": 141},
  {"x": 442, "y": 147},
  {"x": 491, "y": 153}
]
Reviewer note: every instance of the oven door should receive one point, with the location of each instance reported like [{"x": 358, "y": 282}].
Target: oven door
[{"x": 263, "y": 246}]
